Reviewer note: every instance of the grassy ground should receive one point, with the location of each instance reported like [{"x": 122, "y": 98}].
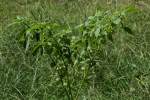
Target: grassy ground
[{"x": 24, "y": 78}]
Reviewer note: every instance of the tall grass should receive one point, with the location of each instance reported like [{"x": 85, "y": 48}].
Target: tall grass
[{"x": 121, "y": 72}]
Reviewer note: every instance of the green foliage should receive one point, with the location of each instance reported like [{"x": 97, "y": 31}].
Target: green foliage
[
  {"x": 73, "y": 57},
  {"x": 54, "y": 54}
]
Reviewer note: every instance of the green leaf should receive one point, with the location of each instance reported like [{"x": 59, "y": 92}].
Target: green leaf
[
  {"x": 97, "y": 32},
  {"x": 117, "y": 21},
  {"x": 131, "y": 9}
]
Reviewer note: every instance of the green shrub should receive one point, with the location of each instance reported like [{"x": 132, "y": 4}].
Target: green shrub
[{"x": 73, "y": 57}]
